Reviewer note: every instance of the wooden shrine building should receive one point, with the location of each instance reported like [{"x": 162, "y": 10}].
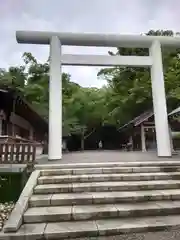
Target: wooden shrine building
[
  {"x": 140, "y": 131},
  {"x": 18, "y": 119}
]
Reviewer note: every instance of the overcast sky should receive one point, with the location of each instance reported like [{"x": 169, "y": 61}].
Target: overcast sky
[{"x": 100, "y": 16}]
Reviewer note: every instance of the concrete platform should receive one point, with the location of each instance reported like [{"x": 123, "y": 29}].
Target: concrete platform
[
  {"x": 12, "y": 168},
  {"x": 105, "y": 156}
]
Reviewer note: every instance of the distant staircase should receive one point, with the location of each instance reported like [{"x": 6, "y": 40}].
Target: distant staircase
[{"x": 115, "y": 199}]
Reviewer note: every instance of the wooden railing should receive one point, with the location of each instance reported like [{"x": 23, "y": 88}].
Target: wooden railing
[
  {"x": 21, "y": 153},
  {"x": 14, "y": 139}
]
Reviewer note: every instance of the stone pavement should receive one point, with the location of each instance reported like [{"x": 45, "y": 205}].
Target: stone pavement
[{"x": 104, "y": 156}]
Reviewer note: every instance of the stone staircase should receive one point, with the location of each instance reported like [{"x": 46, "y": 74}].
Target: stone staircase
[{"x": 80, "y": 202}]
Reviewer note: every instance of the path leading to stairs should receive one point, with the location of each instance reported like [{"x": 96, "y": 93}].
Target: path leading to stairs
[{"x": 104, "y": 156}]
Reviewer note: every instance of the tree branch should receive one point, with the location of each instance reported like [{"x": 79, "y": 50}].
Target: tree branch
[{"x": 89, "y": 133}]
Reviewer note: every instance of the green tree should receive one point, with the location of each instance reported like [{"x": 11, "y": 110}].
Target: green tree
[
  {"x": 131, "y": 87},
  {"x": 13, "y": 77},
  {"x": 84, "y": 111}
]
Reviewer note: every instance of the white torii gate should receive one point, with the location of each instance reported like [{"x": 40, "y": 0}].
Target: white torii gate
[{"x": 154, "y": 61}]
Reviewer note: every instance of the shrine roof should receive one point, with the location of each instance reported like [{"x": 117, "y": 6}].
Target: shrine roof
[
  {"x": 138, "y": 120},
  {"x": 175, "y": 112},
  {"x": 22, "y": 108}
]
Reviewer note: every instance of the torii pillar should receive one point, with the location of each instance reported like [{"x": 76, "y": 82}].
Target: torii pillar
[
  {"x": 159, "y": 101},
  {"x": 55, "y": 101}
]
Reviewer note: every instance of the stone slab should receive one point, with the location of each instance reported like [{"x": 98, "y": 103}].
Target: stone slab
[
  {"x": 31, "y": 183},
  {"x": 96, "y": 229},
  {"x": 100, "y": 211},
  {"x": 51, "y": 172},
  {"x": 173, "y": 234},
  {"x": 71, "y": 198},
  {"x": 53, "y": 188},
  {"x": 16, "y": 217},
  {"x": 108, "y": 164},
  {"x": 107, "y": 186},
  {"x": 65, "y": 230},
  {"x": 140, "y": 209},
  {"x": 109, "y": 170},
  {"x": 12, "y": 168},
  {"x": 109, "y": 177},
  {"x": 125, "y": 185},
  {"x": 169, "y": 227},
  {"x": 119, "y": 226},
  {"x": 174, "y": 194},
  {"x": 94, "y": 170},
  {"x": 48, "y": 214},
  {"x": 26, "y": 232},
  {"x": 102, "y": 197},
  {"x": 169, "y": 205},
  {"x": 40, "y": 200},
  {"x": 92, "y": 212},
  {"x": 135, "y": 196}
]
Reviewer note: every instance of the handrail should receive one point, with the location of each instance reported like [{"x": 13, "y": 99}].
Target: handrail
[{"x": 17, "y": 139}]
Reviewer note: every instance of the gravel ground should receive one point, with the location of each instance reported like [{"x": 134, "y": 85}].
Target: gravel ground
[{"x": 5, "y": 210}]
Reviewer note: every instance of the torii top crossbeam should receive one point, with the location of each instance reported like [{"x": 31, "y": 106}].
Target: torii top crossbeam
[{"x": 94, "y": 39}]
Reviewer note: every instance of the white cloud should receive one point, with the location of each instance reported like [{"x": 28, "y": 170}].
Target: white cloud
[{"x": 109, "y": 16}]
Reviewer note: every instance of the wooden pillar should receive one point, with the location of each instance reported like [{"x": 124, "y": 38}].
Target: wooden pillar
[
  {"x": 0, "y": 126},
  {"x": 131, "y": 142},
  {"x": 64, "y": 144},
  {"x": 31, "y": 133},
  {"x": 2, "y": 117},
  {"x": 143, "y": 139}
]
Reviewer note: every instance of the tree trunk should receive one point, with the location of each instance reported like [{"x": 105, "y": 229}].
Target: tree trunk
[
  {"x": 82, "y": 140},
  {"x": 82, "y": 143}
]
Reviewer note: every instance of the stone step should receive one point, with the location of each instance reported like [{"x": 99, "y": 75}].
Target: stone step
[
  {"x": 84, "y": 198},
  {"x": 105, "y": 227},
  {"x": 106, "y": 164},
  {"x": 172, "y": 234},
  {"x": 106, "y": 186},
  {"x": 100, "y": 211},
  {"x": 109, "y": 177},
  {"x": 118, "y": 169}
]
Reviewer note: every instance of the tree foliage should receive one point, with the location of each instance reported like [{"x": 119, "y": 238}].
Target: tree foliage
[{"x": 131, "y": 87}]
